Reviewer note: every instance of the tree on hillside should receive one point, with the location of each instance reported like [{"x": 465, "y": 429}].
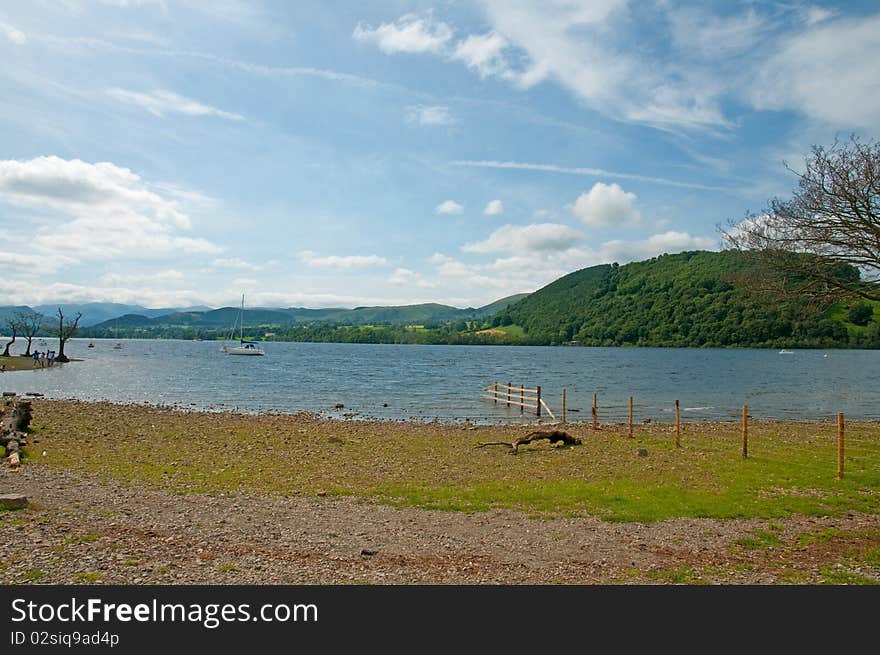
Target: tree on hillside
[
  {"x": 29, "y": 324},
  {"x": 66, "y": 329},
  {"x": 824, "y": 241},
  {"x": 14, "y": 327}
]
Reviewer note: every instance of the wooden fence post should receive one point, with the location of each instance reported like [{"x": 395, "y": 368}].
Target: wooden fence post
[
  {"x": 563, "y": 405},
  {"x": 495, "y": 392},
  {"x": 595, "y": 410},
  {"x": 538, "y": 410},
  {"x": 745, "y": 431},
  {"x": 840, "y": 445},
  {"x": 677, "y": 426},
  {"x": 630, "y": 417},
  {"x": 522, "y": 398},
  {"x": 509, "y": 384}
]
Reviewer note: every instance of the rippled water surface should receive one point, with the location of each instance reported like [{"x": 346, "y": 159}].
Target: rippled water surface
[{"x": 444, "y": 382}]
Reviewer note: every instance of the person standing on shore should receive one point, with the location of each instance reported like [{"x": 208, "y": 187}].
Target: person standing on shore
[
  {"x": 36, "y": 358},
  {"x": 50, "y": 357},
  {"x": 43, "y": 359}
]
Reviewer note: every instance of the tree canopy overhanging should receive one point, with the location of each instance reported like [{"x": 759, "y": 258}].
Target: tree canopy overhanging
[{"x": 825, "y": 240}]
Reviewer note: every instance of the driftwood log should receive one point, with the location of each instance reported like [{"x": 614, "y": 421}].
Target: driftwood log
[
  {"x": 15, "y": 416},
  {"x": 554, "y": 436}
]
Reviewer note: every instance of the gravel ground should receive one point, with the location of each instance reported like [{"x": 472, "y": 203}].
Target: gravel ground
[{"x": 83, "y": 530}]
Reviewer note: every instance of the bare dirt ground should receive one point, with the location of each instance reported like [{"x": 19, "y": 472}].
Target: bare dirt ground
[{"x": 80, "y": 529}]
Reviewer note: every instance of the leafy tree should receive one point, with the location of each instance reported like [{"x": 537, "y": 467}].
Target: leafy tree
[
  {"x": 824, "y": 241},
  {"x": 860, "y": 314}
]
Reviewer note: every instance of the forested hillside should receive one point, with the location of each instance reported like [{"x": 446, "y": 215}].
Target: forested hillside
[{"x": 687, "y": 299}]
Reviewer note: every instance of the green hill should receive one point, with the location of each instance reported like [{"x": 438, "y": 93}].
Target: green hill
[{"x": 687, "y": 299}]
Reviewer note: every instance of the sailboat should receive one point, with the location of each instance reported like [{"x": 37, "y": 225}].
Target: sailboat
[
  {"x": 244, "y": 347},
  {"x": 118, "y": 345}
]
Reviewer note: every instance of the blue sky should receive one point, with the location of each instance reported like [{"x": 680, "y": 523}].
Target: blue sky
[{"x": 174, "y": 152}]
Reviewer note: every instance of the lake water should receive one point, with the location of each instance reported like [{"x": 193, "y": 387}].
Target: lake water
[{"x": 444, "y": 382}]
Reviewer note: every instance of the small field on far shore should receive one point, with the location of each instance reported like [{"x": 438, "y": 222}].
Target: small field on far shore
[{"x": 791, "y": 468}]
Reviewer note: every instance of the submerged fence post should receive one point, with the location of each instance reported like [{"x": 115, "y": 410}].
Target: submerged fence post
[
  {"x": 840, "y": 445},
  {"x": 538, "y": 402},
  {"x": 509, "y": 384},
  {"x": 495, "y": 392},
  {"x": 677, "y": 426},
  {"x": 630, "y": 417},
  {"x": 563, "y": 405},
  {"x": 595, "y": 416},
  {"x": 745, "y": 431},
  {"x": 522, "y": 398}
]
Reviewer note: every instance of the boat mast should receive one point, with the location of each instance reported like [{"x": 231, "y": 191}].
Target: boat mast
[{"x": 241, "y": 321}]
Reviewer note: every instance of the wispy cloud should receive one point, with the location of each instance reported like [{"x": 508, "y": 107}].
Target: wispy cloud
[
  {"x": 13, "y": 34},
  {"x": 163, "y": 102},
  {"x": 429, "y": 115},
  {"x": 341, "y": 261},
  {"x": 588, "y": 172}
]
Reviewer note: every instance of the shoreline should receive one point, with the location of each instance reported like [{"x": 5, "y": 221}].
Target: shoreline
[
  {"x": 149, "y": 495},
  {"x": 524, "y": 422}
]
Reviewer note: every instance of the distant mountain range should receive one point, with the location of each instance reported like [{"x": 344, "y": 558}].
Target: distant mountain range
[{"x": 100, "y": 317}]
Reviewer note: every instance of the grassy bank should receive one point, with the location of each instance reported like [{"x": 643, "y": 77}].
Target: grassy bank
[
  {"x": 17, "y": 363},
  {"x": 791, "y": 468}
]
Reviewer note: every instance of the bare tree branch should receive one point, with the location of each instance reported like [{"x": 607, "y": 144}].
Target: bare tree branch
[{"x": 825, "y": 240}]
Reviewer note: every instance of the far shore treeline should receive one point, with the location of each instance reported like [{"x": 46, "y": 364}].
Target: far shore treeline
[{"x": 691, "y": 299}]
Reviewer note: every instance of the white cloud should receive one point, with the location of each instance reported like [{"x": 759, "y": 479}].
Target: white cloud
[
  {"x": 494, "y": 208},
  {"x": 162, "y": 102},
  {"x": 232, "y": 262},
  {"x": 429, "y": 115},
  {"x": 814, "y": 14},
  {"x": 33, "y": 264},
  {"x": 122, "y": 279},
  {"x": 407, "y": 277},
  {"x": 541, "y": 213},
  {"x": 605, "y": 206},
  {"x": 697, "y": 32},
  {"x": 829, "y": 72},
  {"x": 13, "y": 34},
  {"x": 657, "y": 244},
  {"x": 244, "y": 282},
  {"x": 95, "y": 211},
  {"x": 341, "y": 262},
  {"x": 582, "y": 47},
  {"x": 484, "y": 53},
  {"x": 527, "y": 238},
  {"x": 408, "y": 33},
  {"x": 449, "y": 207}
]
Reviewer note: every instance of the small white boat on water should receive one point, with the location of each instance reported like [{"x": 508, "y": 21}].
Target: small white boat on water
[
  {"x": 246, "y": 348},
  {"x": 786, "y": 352}
]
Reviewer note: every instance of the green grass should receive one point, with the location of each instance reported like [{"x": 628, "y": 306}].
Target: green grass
[
  {"x": 759, "y": 539},
  {"x": 676, "y": 575},
  {"x": 32, "y": 575},
  {"x": 838, "y": 574},
  {"x": 88, "y": 577},
  {"x": 791, "y": 469},
  {"x": 82, "y": 539}
]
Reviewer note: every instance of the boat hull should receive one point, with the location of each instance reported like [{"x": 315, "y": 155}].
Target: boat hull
[{"x": 247, "y": 352}]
